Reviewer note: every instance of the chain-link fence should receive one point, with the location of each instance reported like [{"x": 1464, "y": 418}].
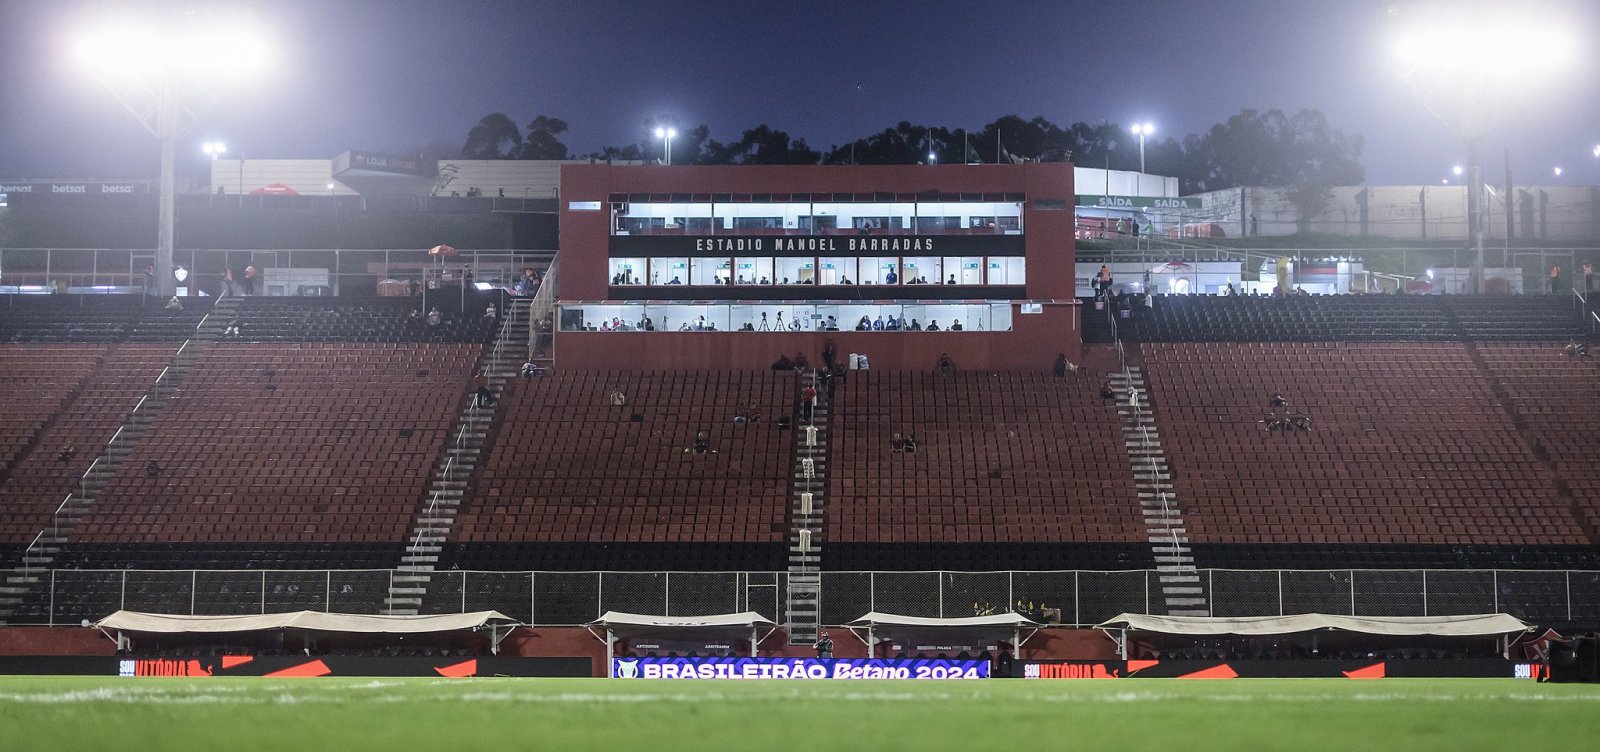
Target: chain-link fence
[{"x": 65, "y": 597}]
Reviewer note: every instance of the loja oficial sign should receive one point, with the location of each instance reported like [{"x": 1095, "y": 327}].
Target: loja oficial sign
[{"x": 797, "y": 668}]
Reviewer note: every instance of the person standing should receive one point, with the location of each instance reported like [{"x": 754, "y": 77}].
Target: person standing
[
  {"x": 808, "y": 401},
  {"x": 1555, "y": 278},
  {"x": 824, "y": 646},
  {"x": 484, "y": 397},
  {"x": 1588, "y": 277},
  {"x": 250, "y": 273}
]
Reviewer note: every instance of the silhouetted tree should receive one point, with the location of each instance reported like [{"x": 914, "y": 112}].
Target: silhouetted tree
[
  {"x": 494, "y": 137},
  {"x": 762, "y": 145},
  {"x": 1272, "y": 149},
  {"x": 541, "y": 142}
]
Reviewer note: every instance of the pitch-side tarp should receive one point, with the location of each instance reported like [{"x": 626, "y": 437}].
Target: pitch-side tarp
[
  {"x": 621, "y": 624},
  {"x": 995, "y": 621},
  {"x": 881, "y": 626},
  {"x": 135, "y": 621},
  {"x": 1474, "y": 625}
]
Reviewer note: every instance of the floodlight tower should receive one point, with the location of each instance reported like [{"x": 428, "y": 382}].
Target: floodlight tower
[
  {"x": 1446, "y": 53},
  {"x": 169, "y": 71},
  {"x": 1142, "y": 130}
]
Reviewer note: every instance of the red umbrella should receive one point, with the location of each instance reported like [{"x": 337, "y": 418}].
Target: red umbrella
[
  {"x": 442, "y": 250},
  {"x": 276, "y": 189}
]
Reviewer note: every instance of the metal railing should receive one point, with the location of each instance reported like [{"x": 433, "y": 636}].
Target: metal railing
[{"x": 1562, "y": 598}]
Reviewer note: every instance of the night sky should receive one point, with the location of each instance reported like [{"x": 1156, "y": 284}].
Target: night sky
[{"x": 399, "y": 75}]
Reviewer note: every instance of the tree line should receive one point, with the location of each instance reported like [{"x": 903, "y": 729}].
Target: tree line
[{"x": 1252, "y": 148}]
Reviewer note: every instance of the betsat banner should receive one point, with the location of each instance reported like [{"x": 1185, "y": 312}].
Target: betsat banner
[{"x": 797, "y": 668}]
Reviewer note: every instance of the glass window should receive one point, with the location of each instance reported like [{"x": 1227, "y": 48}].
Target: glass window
[
  {"x": 876, "y": 217},
  {"x": 627, "y": 271},
  {"x": 662, "y": 219},
  {"x": 752, "y": 270},
  {"x": 1005, "y": 270},
  {"x": 838, "y": 270},
  {"x": 963, "y": 270},
  {"x": 672, "y": 270},
  {"x": 796, "y": 271},
  {"x": 922, "y": 270},
  {"x": 709, "y": 271},
  {"x": 819, "y": 224},
  {"x": 759, "y": 219},
  {"x": 601, "y": 318},
  {"x": 880, "y": 270},
  {"x": 770, "y": 317}
]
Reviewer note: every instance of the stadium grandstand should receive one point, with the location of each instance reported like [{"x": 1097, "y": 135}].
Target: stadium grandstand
[{"x": 811, "y": 393}]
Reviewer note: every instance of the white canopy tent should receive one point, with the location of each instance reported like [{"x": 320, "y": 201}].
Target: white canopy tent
[
  {"x": 499, "y": 625},
  {"x": 1471, "y": 625},
  {"x": 995, "y": 625},
  {"x": 745, "y": 624}
]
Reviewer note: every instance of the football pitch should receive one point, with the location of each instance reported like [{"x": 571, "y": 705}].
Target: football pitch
[{"x": 82, "y": 713}]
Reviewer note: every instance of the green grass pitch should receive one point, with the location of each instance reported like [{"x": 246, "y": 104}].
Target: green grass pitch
[{"x": 397, "y": 715}]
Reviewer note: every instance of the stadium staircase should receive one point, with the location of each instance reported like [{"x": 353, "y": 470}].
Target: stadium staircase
[
  {"x": 41, "y": 553},
  {"x": 433, "y": 523},
  {"x": 1152, "y": 478},
  {"x": 806, "y": 504}
]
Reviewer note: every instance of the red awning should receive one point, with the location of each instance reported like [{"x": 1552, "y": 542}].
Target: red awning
[{"x": 276, "y": 189}]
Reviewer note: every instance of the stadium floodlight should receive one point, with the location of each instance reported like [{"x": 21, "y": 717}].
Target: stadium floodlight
[
  {"x": 214, "y": 149},
  {"x": 1558, "y": 171},
  {"x": 169, "y": 70},
  {"x": 1456, "y": 170},
  {"x": 932, "y": 158},
  {"x": 1141, "y": 130},
  {"x": 667, "y": 134},
  {"x": 1457, "y": 58}
]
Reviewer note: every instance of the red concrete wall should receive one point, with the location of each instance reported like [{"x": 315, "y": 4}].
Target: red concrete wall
[
  {"x": 54, "y": 641},
  {"x": 1048, "y": 233},
  {"x": 1069, "y": 644},
  {"x": 1033, "y": 344},
  {"x": 1048, "y": 247}
]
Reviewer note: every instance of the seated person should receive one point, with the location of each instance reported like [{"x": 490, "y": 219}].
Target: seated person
[
  {"x": 956, "y": 327},
  {"x": 675, "y": 281},
  {"x": 702, "y": 444},
  {"x": 915, "y": 326},
  {"x": 864, "y": 325},
  {"x": 892, "y": 325},
  {"x": 946, "y": 366},
  {"x": 1107, "y": 394},
  {"x": 933, "y": 325},
  {"x": 952, "y": 280},
  {"x": 877, "y": 325},
  {"x": 897, "y": 443},
  {"x": 911, "y": 443},
  {"x": 1278, "y": 402}
]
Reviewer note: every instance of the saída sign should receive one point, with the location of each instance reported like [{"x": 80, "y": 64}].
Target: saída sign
[{"x": 1140, "y": 202}]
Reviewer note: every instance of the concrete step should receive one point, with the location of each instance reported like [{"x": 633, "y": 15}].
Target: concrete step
[
  {"x": 1182, "y": 590},
  {"x": 404, "y": 592}
]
